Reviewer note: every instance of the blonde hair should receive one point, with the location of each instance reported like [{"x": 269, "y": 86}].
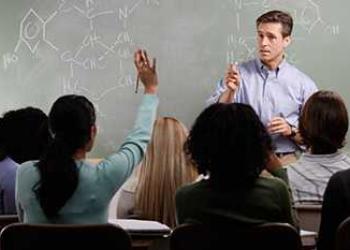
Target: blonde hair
[{"x": 164, "y": 168}]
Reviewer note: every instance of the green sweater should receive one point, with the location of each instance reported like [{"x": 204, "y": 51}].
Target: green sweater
[
  {"x": 97, "y": 184},
  {"x": 267, "y": 201}
]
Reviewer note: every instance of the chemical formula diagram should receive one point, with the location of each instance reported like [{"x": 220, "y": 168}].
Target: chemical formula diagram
[
  {"x": 308, "y": 17},
  {"x": 92, "y": 52}
]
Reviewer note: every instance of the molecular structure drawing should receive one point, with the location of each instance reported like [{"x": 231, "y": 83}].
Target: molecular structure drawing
[
  {"x": 92, "y": 52},
  {"x": 308, "y": 17}
]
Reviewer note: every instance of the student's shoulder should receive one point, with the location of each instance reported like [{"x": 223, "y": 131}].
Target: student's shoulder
[
  {"x": 28, "y": 166},
  {"x": 341, "y": 176},
  {"x": 346, "y": 157},
  {"x": 195, "y": 187},
  {"x": 7, "y": 165},
  {"x": 273, "y": 183},
  {"x": 339, "y": 183}
]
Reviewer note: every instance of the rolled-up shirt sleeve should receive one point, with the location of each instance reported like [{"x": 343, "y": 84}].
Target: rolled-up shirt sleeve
[{"x": 220, "y": 89}]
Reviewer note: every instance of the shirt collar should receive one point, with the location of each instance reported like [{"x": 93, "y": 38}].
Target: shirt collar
[
  {"x": 337, "y": 156},
  {"x": 264, "y": 70}
]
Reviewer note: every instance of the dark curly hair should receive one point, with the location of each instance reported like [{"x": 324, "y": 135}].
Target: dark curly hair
[
  {"x": 23, "y": 134},
  {"x": 229, "y": 142},
  {"x": 324, "y": 122}
]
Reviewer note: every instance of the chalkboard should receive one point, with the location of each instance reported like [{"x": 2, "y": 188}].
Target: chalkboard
[{"x": 51, "y": 48}]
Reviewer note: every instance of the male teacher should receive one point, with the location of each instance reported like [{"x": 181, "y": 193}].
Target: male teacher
[{"x": 274, "y": 88}]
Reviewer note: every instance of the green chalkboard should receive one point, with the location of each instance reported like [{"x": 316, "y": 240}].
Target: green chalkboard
[{"x": 50, "y": 48}]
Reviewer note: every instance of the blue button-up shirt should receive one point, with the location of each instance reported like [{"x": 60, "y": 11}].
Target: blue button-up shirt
[{"x": 281, "y": 92}]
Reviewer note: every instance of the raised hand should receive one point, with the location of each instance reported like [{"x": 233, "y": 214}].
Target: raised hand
[
  {"x": 146, "y": 71},
  {"x": 232, "y": 77}
]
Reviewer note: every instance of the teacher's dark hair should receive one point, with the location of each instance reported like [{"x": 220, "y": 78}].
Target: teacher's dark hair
[{"x": 277, "y": 16}]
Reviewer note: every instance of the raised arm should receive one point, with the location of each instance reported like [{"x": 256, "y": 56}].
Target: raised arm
[{"x": 119, "y": 166}]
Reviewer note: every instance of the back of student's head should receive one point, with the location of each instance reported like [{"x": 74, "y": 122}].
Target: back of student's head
[
  {"x": 70, "y": 123},
  {"x": 229, "y": 142},
  {"x": 324, "y": 122},
  {"x": 23, "y": 134},
  {"x": 164, "y": 168}
]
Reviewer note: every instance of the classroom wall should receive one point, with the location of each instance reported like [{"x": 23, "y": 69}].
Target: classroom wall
[{"x": 50, "y": 48}]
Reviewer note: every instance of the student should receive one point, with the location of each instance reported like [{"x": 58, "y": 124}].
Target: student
[
  {"x": 335, "y": 209},
  {"x": 150, "y": 193},
  {"x": 323, "y": 126},
  {"x": 23, "y": 136},
  {"x": 230, "y": 144},
  {"x": 274, "y": 88},
  {"x": 62, "y": 187}
]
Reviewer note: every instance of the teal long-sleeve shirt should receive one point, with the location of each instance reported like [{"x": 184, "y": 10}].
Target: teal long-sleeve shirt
[{"x": 97, "y": 184}]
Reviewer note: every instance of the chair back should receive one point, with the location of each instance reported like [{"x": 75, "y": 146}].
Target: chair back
[
  {"x": 342, "y": 240},
  {"x": 21, "y": 236},
  {"x": 7, "y": 219},
  {"x": 270, "y": 236},
  {"x": 309, "y": 216}
]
